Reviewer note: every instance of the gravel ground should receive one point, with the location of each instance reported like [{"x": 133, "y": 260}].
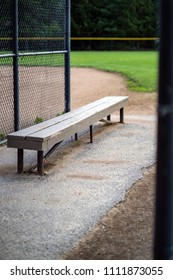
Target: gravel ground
[
  {"x": 43, "y": 218},
  {"x": 126, "y": 232}
]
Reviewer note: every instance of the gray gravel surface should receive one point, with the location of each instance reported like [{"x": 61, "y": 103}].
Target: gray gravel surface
[{"x": 43, "y": 217}]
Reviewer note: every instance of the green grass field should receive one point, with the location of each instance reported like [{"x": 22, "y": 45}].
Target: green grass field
[{"x": 140, "y": 68}]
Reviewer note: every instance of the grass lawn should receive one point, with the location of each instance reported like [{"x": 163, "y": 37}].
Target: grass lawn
[{"x": 140, "y": 68}]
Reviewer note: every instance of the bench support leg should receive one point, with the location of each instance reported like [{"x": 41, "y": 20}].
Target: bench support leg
[
  {"x": 40, "y": 166},
  {"x": 91, "y": 134},
  {"x": 122, "y": 115},
  {"x": 109, "y": 118},
  {"x": 76, "y": 136},
  {"x": 20, "y": 161}
]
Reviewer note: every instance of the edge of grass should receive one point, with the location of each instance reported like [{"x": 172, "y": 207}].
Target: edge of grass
[{"x": 136, "y": 81}]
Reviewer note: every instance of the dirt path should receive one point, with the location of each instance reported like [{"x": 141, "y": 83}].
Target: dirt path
[
  {"x": 89, "y": 84},
  {"x": 125, "y": 232}
]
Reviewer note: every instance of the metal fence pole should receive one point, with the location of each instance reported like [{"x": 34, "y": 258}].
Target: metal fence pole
[
  {"x": 67, "y": 58},
  {"x": 163, "y": 243},
  {"x": 15, "y": 66}
]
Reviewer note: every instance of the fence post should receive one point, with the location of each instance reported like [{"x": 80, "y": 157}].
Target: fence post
[
  {"x": 163, "y": 243},
  {"x": 67, "y": 58},
  {"x": 15, "y": 66}
]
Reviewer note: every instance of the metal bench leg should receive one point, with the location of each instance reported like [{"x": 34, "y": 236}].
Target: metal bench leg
[
  {"x": 109, "y": 118},
  {"x": 76, "y": 136},
  {"x": 122, "y": 115},
  {"x": 20, "y": 161},
  {"x": 40, "y": 165},
  {"x": 91, "y": 134}
]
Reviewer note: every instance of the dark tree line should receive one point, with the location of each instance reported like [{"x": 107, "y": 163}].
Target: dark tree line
[
  {"x": 116, "y": 18},
  {"x": 89, "y": 18}
]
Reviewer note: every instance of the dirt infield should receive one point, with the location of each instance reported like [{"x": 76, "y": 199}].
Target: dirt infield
[
  {"x": 126, "y": 232},
  {"x": 89, "y": 84}
]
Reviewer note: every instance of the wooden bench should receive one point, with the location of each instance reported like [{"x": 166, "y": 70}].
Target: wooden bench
[{"x": 48, "y": 134}]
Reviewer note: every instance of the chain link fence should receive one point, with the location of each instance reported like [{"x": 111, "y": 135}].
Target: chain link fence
[{"x": 34, "y": 62}]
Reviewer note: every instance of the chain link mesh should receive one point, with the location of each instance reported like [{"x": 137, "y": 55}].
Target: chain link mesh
[
  {"x": 41, "y": 88},
  {"x": 41, "y": 25},
  {"x": 41, "y": 76},
  {"x": 6, "y": 23},
  {"x": 6, "y": 70},
  {"x": 41, "y": 29},
  {"x": 6, "y": 97}
]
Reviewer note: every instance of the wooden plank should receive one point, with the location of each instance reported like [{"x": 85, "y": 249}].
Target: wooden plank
[
  {"x": 93, "y": 114},
  {"x": 47, "y": 133},
  {"x": 65, "y": 133},
  {"x": 46, "y": 138},
  {"x": 27, "y": 131},
  {"x": 22, "y": 144}
]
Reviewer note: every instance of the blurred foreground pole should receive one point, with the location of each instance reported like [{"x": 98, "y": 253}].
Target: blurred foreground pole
[
  {"x": 67, "y": 56},
  {"x": 163, "y": 247},
  {"x": 16, "y": 66}
]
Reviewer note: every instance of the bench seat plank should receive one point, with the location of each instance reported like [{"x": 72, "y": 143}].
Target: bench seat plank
[
  {"x": 37, "y": 127},
  {"x": 85, "y": 119},
  {"x": 45, "y": 135}
]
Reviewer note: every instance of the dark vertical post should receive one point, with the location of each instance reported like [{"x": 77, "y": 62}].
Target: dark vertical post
[
  {"x": 20, "y": 161},
  {"x": 122, "y": 115},
  {"x": 163, "y": 243},
  {"x": 40, "y": 164},
  {"x": 15, "y": 66},
  {"x": 91, "y": 134},
  {"x": 67, "y": 58}
]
